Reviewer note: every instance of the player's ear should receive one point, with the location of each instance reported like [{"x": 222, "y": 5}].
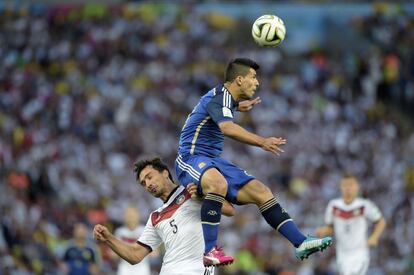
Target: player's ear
[
  {"x": 165, "y": 174},
  {"x": 239, "y": 80}
]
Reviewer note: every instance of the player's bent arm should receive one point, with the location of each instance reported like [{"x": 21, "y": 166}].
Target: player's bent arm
[
  {"x": 378, "y": 229},
  {"x": 132, "y": 253},
  {"x": 235, "y": 131},
  {"x": 323, "y": 231},
  {"x": 227, "y": 209}
]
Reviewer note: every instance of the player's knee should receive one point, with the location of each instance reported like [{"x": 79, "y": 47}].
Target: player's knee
[
  {"x": 214, "y": 182},
  {"x": 264, "y": 190},
  {"x": 217, "y": 187},
  {"x": 261, "y": 193}
]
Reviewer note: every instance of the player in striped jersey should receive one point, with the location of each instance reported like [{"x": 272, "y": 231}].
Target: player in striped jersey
[
  {"x": 348, "y": 218},
  {"x": 176, "y": 224},
  {"x": 199, "y": 161}
]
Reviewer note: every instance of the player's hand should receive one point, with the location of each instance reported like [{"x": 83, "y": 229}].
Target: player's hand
[
  {"x": 372, "y": 242},
  {"x": 192, "y": 189},
  {"x": 247, "y": 105},
  {"x": 101, "y": 233},
  {"x": 272, "y": 144},
  {"x": 320, "y": 232}
]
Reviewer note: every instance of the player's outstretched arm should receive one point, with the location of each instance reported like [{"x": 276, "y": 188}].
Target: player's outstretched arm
[
  {"x": 132, "y": 253},
  {"x": 378, "y": 229},
  {"x": 235, "y": 131}
]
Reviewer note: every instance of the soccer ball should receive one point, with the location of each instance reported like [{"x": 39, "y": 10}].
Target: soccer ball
[{"x": 268, "y": 30}]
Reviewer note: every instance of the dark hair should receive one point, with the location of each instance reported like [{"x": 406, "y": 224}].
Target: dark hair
[
  {"x": 239, "y": 66},
  {"x": 156, "y": 163}
]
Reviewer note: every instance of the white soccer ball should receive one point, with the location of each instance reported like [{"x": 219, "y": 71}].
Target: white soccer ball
[{"x": 268, "y": 30}]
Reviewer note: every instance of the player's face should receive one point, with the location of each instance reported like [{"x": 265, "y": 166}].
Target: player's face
[
  {"x": 131, "y": 217},
  {"x": 80, "y": 231},
  {"x": 153, "y": 181},
  {"x": 249, "y": 85},
  {"x": 349, "y": 188}
]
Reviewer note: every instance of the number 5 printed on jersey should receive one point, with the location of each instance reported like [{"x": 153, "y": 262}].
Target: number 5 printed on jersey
[{"x": 174, "y": 226}]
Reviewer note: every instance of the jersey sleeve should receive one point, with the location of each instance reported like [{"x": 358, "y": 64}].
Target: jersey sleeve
[
  {"x": 219, "y": 109},
  {"x": 150, "y": 237},
  {"x": 329, "y": 214},
  {"x": 372, "y": 212}
]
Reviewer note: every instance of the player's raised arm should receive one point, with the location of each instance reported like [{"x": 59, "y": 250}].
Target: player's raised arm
[
  {"x": 132, "y": 253},
  {"x": 235, "y": 131}
]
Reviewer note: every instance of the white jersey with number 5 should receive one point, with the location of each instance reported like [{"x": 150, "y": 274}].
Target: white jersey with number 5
[
  {"x": 350, "y": 223},
  {"x": 131, "y": 236},
  {"x": 177, "y": 225}
]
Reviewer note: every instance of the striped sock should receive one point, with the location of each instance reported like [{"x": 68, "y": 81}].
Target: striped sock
[
  {"x": 279, "y": 219},
  {"x": 210, "y": 219}
]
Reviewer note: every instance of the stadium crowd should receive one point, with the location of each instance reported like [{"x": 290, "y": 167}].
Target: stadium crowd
[{"x": 86, "y": 90}]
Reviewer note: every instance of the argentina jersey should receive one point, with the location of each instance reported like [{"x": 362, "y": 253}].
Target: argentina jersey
[{"x": 201, "y": 134}]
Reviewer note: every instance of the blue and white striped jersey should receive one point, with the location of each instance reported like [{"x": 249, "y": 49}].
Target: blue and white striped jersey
[{"x": 201, "y": 134}]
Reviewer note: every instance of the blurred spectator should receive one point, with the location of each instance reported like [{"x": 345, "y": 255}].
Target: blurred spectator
[
  {"x": 130, "y": 232},
  {"x": 80, "y": 256}
]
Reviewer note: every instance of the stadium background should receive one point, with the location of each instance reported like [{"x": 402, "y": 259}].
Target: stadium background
[{"x": 85, "y": 89}]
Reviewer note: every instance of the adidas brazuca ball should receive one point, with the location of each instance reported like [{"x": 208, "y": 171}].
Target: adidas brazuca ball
[{"x": 268, "y": 30}]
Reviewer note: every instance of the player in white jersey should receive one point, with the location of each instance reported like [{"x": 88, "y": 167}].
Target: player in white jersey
[
  {"x": 129, "y": 233},
  {"x": 176, "y": 224},
  {"x": 348, "y": 218}
]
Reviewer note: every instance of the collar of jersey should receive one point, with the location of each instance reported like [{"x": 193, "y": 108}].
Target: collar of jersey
[
  {"x": 173, "y": 194},
  {"x": 233, "y": 101}
]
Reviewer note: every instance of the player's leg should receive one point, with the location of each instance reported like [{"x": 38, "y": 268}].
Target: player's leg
[
  {"x": 214, "y": 186},
  {"x": 277, "y": 217},
  {"x": 243, "y": 188}
]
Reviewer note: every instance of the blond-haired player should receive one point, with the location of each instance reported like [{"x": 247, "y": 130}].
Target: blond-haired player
[
  {"x": 129, "y": 233},
  {"x": 348, "y": 217}
]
